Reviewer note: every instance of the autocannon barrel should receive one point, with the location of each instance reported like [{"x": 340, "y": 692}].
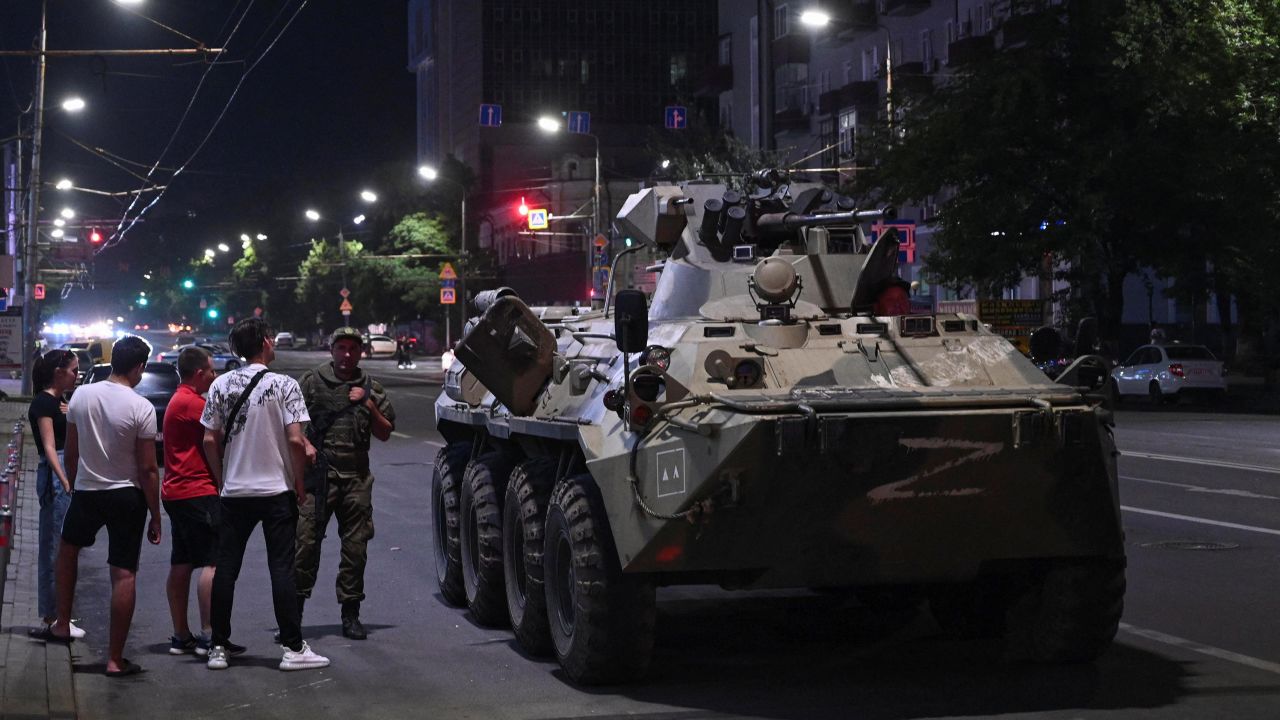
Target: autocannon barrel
[{"x": 791, "y": 221}]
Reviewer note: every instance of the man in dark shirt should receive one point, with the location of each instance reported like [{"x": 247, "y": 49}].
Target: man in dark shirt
[{"x": 191, "y": 502}]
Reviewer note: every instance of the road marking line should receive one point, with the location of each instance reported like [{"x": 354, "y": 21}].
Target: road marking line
[
  {"x": 1202, "y": 521},
  {"x": 414, "y": 394},
  {"x": 399, "y": 434},
  {"x": 1201, "y": 489},
  {"x": 1203, "y": 649},
  {"x": 1200, "y": 461}
]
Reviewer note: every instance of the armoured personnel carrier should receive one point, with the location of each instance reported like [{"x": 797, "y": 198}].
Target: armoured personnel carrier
[{"x": 775, "y": 417}]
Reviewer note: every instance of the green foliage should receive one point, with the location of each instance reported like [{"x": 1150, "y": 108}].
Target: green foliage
[{"x": 1146, "y": 132}]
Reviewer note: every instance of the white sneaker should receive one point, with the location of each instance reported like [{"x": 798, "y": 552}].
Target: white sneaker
[
  {"x": 304, "y": 659},
  {"x": 218, "y": 658},
  {"x": 76, "y": 632}
]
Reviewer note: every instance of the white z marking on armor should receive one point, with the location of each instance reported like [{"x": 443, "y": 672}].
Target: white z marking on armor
[{"x": 898, "y": 490}]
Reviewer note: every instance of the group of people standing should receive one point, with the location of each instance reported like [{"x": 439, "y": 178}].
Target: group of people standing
[{"x": 234, "y": 461}]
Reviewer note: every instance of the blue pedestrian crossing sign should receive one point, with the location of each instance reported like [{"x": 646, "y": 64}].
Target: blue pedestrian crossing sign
[
  {"x": 538, "y": 219},
  {"x": 579, "y": 122},
  {"x": 490, "y": 115},
  {"x": 676, "y": 117}
]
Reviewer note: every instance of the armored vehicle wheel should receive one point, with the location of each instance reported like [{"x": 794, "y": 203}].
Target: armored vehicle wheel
[
  {"x": 601, "y": 621},
  {"x": 480, "y": 534},
  {"x": 1070, "y": 615},
  {"x": 524, "y": 517},
  {"x": 446, "y": 478},
  {"x": 975, "y": 609}
]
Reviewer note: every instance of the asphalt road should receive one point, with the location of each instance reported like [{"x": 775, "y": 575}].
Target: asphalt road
[{"x": 1199, "y": 640}]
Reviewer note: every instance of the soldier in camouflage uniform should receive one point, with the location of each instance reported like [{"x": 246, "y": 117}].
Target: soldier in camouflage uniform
[{"x": 358, "y": 408}]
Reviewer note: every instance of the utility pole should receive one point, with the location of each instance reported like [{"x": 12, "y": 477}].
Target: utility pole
[{"x": 29, "y": 309}]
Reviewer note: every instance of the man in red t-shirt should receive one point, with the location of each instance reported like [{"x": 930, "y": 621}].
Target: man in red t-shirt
[{"x": 190, "y": 499}]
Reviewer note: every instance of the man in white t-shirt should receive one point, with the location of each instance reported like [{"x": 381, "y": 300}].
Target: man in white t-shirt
[
  {"x": 111, "y": 463},
  {"x": 257, "y": 454}
]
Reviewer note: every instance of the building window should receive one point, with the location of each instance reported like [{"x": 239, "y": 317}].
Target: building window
[
  {"x": 926, "y": 49},
  {"x": 868, "y": 65},
  {"x": 726, "y": 50},
  {"x": 827, "y": 134},
  {"x": 780, "y": 22},
  {"x": 679, "y": 68},
  {"x": 848, "y": 128},
  {"x": 824, "y": 81}
]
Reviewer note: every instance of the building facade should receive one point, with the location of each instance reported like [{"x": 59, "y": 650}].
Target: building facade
[{"x": 623, "y": 63}]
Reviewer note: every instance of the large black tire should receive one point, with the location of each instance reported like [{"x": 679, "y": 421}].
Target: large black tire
[
  {"x": 602, "y": 622},
  {"x": 975, "y": 609},
  {"x": 480, "y": 534},
  {"x": 446, "y": 480},
  {"x": 524, "y": 517},
  {"x": 1071, "y": 614}
]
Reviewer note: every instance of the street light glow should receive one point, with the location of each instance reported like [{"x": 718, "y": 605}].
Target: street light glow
[
  {"x": 209, "y": 253},
  {"x": 312, "y": 215},
  {"x": 73, "y": 104},
  {"x": 666, "y": 164},
  {"x": 260, "y": 236},
  {"x": 63, "y": 184},
  {"x": 815, "y": 18},
  {"x": 57, "y": 233},
  {"x": 428, "y": 173},
  {"x": 59, "y": 222},
  {"x": 224, "y": 247},
  {"x": 244, "y": 237},
  {"x": 128, "y": 2},
  {"x": 368, "y": 196},
  {"x": 67, "y": 213},
  {"x": 358, "y": 219},
  {"x": 548, "y": 124}
]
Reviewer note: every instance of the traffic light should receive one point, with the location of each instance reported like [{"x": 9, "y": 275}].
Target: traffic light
[
  {"x": 212, "y": 313},
  {"x": 188, "y": 284},
  {"x": 95, "y": 237},
  {"x": 523, "y": 209}
]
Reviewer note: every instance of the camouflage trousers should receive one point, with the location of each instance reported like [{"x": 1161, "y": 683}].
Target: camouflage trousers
[{"x": 351, "y": 500}]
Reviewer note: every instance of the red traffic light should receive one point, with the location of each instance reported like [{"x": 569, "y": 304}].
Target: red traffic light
[
  {"x": 523, "y": 209},
  {"x": 95, "y": 237}
]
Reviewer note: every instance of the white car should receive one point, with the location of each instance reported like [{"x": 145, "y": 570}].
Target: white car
[
  {"x": 1166, "y": 372},
  {"x": 379, "y": 345},
  {"x": 284, "y": 339}
]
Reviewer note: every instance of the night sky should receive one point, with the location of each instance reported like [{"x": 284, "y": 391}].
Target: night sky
[{"x": 323, "y": 109}]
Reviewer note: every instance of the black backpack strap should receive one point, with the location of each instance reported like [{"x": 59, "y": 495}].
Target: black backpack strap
[{"x": 235, "y": 409}]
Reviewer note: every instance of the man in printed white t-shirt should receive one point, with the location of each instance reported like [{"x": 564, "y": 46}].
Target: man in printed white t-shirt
[
  {"x": 257, "y": 454},
  {"x": 111, "y": 463}
]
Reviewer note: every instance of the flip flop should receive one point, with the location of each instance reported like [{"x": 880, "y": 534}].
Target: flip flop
[{"x": 129, "y": 668}]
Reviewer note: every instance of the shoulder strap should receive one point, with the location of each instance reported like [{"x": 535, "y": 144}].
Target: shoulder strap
[{"x": 235, "y": 409}]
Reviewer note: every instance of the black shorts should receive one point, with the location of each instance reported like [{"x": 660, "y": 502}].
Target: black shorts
[
  {"x": 124, "y": 513},
  {"x": 193, "y": 527}
]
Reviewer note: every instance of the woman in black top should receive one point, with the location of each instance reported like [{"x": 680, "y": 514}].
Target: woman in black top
[{"x": 53, "y": 375}]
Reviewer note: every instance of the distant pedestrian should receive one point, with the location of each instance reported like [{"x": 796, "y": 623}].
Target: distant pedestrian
[
  {"x": 111, "y": 463},
  {"x": 346, "y": 408},
  {"x": 191, "y": 501},
  {"x": 257, "y": 454},
  {"x": 53, "y": 375}
]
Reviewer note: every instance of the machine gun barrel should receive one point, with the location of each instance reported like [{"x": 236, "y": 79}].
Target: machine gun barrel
[{"x": 792, "y": 221}]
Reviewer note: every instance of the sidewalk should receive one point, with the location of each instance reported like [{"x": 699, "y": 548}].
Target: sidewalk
[{"x": 35, "y": 678}]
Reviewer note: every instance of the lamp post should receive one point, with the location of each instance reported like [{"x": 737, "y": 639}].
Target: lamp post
[
  {"x": 815, "y": 18},
  {"x": 431, "y": 174},
  {"x": 550, "y": 125}
]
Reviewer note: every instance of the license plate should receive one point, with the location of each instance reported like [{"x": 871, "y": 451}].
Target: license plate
[{"x": 1201, "y": 372}]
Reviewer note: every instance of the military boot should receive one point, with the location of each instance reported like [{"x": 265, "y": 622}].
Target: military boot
[{"x": 351, "y": 626}]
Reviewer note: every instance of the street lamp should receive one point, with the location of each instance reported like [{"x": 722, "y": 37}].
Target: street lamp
[
  {"x": 67, "y": 213},
  {"x": 551, "y": 125},
  {"x": 63, "y": 184},
  {"x": 369, "y": 196},
  {"x": 815, "y": 17},
  {"x": 73, "y": 104},
  {"x": 431, "y": 174},
  {"x": 209, "y": 254},
  {"x": 223, "y": 247}
]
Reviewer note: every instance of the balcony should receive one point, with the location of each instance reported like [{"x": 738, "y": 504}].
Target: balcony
[
  {"x": 715, "y": 80},
  {"x": 859, "y": 94},
  {"x": 790, "y": 120},
  {"x": 791, "y": 49},
  {"x": 913, "y": 78},
  {"x": 969, "y": 49},
  {"x": 902, "y": 8}
]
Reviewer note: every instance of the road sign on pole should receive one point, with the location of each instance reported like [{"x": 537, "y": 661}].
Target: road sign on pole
[
  {"x": 538, "y": 218},
  {"x": 490, "y": 115},
  {"x": 345, "y": 293},
  {"x": 345, "y": 307},
  {"x": 447, "y": 272},
  {"x": 448, "y": 296},
  {"x": 676, "y": 118},
  {"x": 579, "y": 122}
]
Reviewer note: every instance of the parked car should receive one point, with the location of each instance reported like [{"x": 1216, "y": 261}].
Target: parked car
[
  {"x": 1167, "y": 372},
  {"x": 99, "y": 349},
  {"x": 85, "y": 365},
  {"x": 223, "y": 358},
  {"x": 159, "y": 382},
  {"x": 379, "y": 345},
  {"x": 284, "y": 339}
]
